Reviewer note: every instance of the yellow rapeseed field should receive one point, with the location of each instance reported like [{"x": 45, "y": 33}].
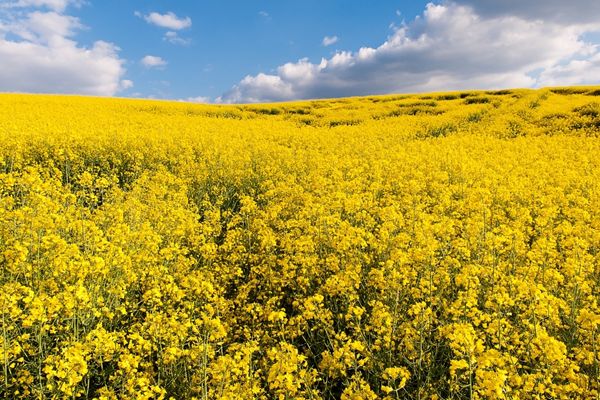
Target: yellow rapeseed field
[{"x": 439, "y": 246}]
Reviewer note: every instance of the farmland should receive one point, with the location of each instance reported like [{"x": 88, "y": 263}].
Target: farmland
[{"x": 443, "y": 245}]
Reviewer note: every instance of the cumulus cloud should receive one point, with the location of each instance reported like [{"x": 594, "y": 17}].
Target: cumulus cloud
[
  {"x": 153, "y": 62},
  {"x": 450, "y": 46},
  {"x": 46, "y": 27},
  {"x": 168, "y": 20},
  {"x": 329, "y": 40},
  {"x": 39, "y": 52},
  {"x": 575, "y": 72}
]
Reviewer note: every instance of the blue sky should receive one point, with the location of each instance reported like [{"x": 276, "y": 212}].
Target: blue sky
[
  {"x": 272, "y": 50},
  {"x": 231, "y": 39}
]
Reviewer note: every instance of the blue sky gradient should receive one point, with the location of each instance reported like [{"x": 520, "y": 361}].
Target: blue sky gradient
[{"x": 230, "y": 40}]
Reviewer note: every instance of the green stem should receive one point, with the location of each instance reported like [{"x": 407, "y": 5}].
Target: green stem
[{"x": 5, "y": 348}]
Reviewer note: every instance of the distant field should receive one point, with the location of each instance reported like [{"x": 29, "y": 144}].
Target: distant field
[{"x": 442, "y": 246}]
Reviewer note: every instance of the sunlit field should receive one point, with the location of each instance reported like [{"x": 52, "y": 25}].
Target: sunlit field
[{"x": 438, "y": 246}]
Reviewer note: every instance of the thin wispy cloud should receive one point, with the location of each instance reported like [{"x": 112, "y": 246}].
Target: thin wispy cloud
[
  {"x": 329, "y": 40},
  {"x": 197, "y": 99},
  {"x": 174, "y": 38},
  {"x": 54, "y": 5}
]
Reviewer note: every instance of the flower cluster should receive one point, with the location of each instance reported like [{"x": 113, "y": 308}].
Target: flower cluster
[{"x": 427, "y": 246}]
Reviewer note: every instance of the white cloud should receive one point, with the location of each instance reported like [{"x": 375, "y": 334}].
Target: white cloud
[
  {"x": 450, "y": 46},
  {"x": 575, "y": 72},
  {"x": 199, "y": 99},
  {"x": 39, "y": 53},
  {"x": 174, "y": 38},
  {"x": 329, "y": 40},
  {"x": 126, "y": 84},
  {"x": 153, "y": 62},
  {"x": 263, "y": 14},
  {"x": 33, "y": 67},
  {"x": 168, "y": 20},
  {"x": 46, "y": 27},
  {"x": 262, "y": 87},
  {"x": 55, "y": 5}
]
